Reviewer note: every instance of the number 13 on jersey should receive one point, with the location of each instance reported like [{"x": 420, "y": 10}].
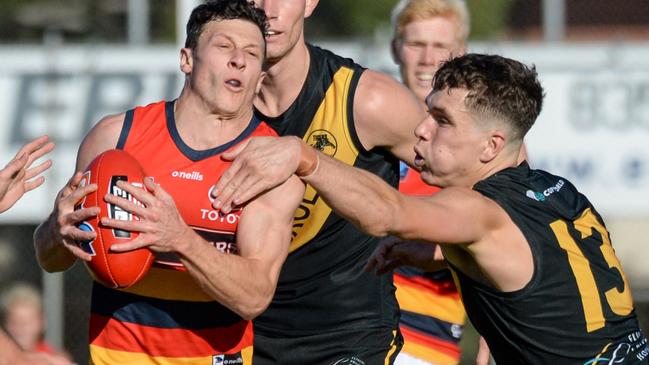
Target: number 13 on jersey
[{"x": 621, "y": 303}]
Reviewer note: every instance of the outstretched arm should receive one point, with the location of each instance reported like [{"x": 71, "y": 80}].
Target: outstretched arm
[
  {"x": 380, "y": 210},
  {"x": 244, "y": 283}
]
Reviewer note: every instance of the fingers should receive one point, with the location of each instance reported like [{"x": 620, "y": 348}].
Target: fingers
[
  {"x": 33, "y": 184},
  {"x": 128, "y": 206},
  {"x": 78, "y": 194},
  {"x": 129, "y": 246},
  {"x": 78, "y": 252},
  {"x": 14, "y": 166},
  {"x": 388, "y": 266},
  {"x": 233, "y": 153},
  {"x": 138, "y": 193},
  {"x": 71, "y": 185},
  {"x": 37, "y": 170},
  {"x": 224, "y": 188},
  {"x": 40, "y": 152},
  {"x": 34, "y": 145}
]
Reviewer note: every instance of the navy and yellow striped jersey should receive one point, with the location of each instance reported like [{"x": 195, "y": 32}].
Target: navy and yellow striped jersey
[
  {"x": 577, "y": 308},
  {"x": 322, "y": 286}
]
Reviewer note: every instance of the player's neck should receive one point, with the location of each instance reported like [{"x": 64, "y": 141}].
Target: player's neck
[
  {"x": 202, "y": 129},
  {"x": 284, "y": 81}
]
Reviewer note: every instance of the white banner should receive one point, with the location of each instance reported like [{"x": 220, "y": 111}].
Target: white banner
[{"x": 593, "y": 129}]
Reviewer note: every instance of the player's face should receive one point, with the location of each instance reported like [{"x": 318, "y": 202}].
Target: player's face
[
  {"x": 286, "y": 25},
  {"x": 24, "y": 324},
  {"x": 226, "y": 66},
  {"x": 423, "y": 46},
  {"x": 449, "y": 142}
]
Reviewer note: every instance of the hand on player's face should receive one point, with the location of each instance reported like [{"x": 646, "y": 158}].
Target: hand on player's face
[
  {"x": 160, "y": 226},
  {"x": 65, "y": 228},
  {"x": 18, "y": 177},
  {"x": 259, "y": 165}
]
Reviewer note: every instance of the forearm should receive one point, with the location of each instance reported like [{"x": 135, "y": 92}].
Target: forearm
[
  {"x": 52, "y": 256},
  {"x": 359, "y": 196},
  {"x": 238, "y": 283}
]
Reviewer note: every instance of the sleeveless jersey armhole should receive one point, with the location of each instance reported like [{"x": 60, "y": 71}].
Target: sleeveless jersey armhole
[
  {"x": 351, "y": 123},
  {"x": 126, "y": 128}
]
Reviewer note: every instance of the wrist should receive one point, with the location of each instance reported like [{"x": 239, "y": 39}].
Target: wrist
[{"x": 309, "y": 160}]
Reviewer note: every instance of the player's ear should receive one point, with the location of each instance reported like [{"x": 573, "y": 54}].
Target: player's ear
[
  {"x": 310, "y": 7},
  {"x": 495, "y": 143},
  {"x": 394, "y": 50},
  {"x": 262, "y": 76},
  {"x": 186, "y": 60}
]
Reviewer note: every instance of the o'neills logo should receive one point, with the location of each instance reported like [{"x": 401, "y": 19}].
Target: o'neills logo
[{"x": 194, "y": 175}]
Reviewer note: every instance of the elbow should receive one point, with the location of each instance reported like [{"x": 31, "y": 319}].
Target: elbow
[
  {"x": 255, "y": 305},
  {"x": 381, "y": 219}
]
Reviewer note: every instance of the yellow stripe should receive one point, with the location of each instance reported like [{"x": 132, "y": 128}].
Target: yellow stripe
[
  {"x": 586, "y": 284},
  {"x": 103, "y": 356},
  {"x": 444, "y": 307},
  {"x": 170, "y": 285},
  {"x": 331, "y": 121},
  {"x": 428, "y": 354},
  {"x": 393, "y": 349}
]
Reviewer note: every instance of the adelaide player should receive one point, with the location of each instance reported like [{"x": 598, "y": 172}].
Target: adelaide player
[{"x": 213, "y": 271}]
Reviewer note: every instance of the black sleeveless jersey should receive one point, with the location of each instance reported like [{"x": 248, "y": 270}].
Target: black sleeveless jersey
[
  {"x": 577, "y": 308},
  {"x": 322, "y": 285}
]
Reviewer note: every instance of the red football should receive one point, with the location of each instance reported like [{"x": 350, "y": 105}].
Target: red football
[{"x": 112, "y": 269}]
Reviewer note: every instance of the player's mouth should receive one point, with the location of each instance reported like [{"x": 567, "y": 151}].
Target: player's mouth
[
  {"x": 425, "y": 76},
  {"x": 420, "y": 163},
  {"x": 234, "y": 84},
  {"x": 270, "y": 34}
]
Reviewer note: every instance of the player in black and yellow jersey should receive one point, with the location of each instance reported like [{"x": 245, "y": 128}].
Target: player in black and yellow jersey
[
  {"x": 325, "y": 310},
  {"x": 530, "y": 254}
]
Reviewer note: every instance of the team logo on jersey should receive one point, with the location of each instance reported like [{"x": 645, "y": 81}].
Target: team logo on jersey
[
  {"x": 233, "y": 359},
  {"x": 546, "y": 193},
  {"x": 323, "y": 141},
  {"x": 87, "y": 245}
]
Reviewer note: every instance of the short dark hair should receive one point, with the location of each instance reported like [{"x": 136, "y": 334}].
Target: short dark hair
[
  {"x": 498, "y": 87},
  {"x": 216, "y": 10}
]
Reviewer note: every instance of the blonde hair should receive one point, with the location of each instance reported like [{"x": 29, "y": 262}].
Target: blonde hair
[
  {"x": 20, "y": 294},
  {"x": 408, "y": 11}
]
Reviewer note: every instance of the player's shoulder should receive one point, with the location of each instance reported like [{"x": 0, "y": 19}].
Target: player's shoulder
[{"x": 102, "y": 137}]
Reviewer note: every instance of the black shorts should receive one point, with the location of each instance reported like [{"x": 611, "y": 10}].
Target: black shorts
[{"x": 344, "y": 347}]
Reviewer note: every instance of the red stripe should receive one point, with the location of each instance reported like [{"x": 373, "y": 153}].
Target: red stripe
[
  {"x": 414, "y": 336},
  {"x": 446, "y": 287},
  {"x": 115, "y": 335}
]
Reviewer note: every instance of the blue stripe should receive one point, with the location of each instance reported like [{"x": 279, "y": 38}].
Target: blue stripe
[
  {"x": 126, "y": 128},
  {"x": 430, "y": 326},
  {"x": 131, "y": 308},
  {"x": 196, "y": 155}
]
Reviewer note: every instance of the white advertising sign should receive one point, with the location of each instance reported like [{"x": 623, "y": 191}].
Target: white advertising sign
[{"x": 594, "y": 128}]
